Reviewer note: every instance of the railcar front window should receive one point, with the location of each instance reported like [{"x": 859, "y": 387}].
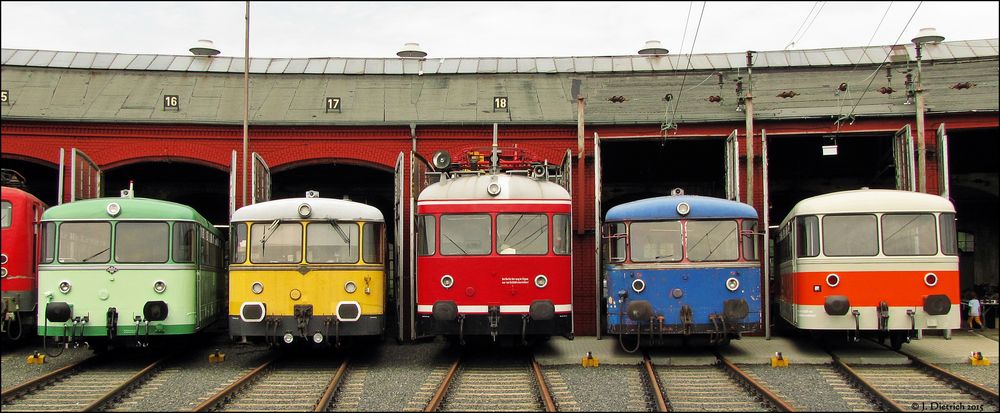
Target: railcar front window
[
  {"x": 239, "y": 240},
  {"x": 949, "y": 236},
  {"x": 909, "y": 234},
  {"x": 84, "y": 242},
  {"x": 465, "y": 234},
  {"x": 561, "y": 234},
  {"x": 48, "y": 252},
  {"x": 374, "y": 238},
  {"x": 807, "y": 236},
  {"x": 145, "y": 242},
  {"x": 6, "y": 208},
  {"x": 276, "y": 243},
  {"x": 332, "y": 242},
  {"x": 751, "y": 249},
  {"x": 426, "y": 230},
  {"x": 616, "y": 241},
  {"x": 850, "y": 235},
  {"x": 655, "y": 241},
  {"x": 184, "y": 241},
  {"x": 522, "y": 234},
  {"x": 712, "y": 241}
]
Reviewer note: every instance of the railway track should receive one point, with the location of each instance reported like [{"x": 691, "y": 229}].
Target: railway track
[
  {"x": 91, "y": 384},
  {"x": 281, "y": 385},
  {"x": 918, "y": 386},
  {"x": 483, "y": 386},
  {"x": 719, "y": 387}
]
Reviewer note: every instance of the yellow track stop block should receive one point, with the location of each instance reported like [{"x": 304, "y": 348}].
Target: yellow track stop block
[
  {"x": 977, "y": 359},
  {"x": 590, "y": 361},
  {"x": 216, "y": 357},
  {"x": 36, "y": 358},
  {"x": 778, "y": 361}
]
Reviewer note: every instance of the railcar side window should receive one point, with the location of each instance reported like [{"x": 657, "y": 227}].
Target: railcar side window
[
  {"x": 949, "y": 236},
  {"x": 142, "y": 241},
  {"x": 6, "y": 209},
  {"x": 239, "y": 241},
  {"x": 561, "y": 235},
  {"x": 807, "y": 236},
  {"x": 751, "y": 249},
  {"x": 615, "y": 233},
  {"x": 465, "y": 234},
  {"x": 84, "y": 242},
  {"x": 655, "y": 241},
  {"x": 184, "y": 241},
  {"x": 48, "y": 242},
  {"x": 909, "y": 234},
  {"x": 426, "y": 229},
  {"x": 850, "y": 235},
  {"x": 332, "y": 242},
  {"x": 374, "y": 238},
  {"x": 712, "y": 241},
  {"x": 276, "y": 242},
  {"x": 522, "y": 234}
]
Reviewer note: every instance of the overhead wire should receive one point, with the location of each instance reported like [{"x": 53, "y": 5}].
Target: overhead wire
[
  {"x": 684, "y": 77},
  {"x": 792, "y": 42}
]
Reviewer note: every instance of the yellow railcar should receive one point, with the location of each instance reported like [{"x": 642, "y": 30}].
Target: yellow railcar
[{"x": 307, "y": 268}]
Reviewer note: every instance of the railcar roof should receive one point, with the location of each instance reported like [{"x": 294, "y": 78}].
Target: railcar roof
[
  {"x": 870, "y": 200},
  {"x": 512, "y": 187},
  {"x": 10, "y": 193},
  {"x": 131, "y": 208},
  {"x": 322, "y": 209},
  {"x": 665, "y": 207}
]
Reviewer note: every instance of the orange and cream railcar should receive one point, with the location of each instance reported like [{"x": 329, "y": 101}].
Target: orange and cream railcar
[{"x": 870, "y": 260}]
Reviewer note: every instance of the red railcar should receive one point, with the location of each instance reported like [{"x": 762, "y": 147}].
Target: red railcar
[
  {"x": 494, "y": 254},
  {"x": 20, "y": 248}
]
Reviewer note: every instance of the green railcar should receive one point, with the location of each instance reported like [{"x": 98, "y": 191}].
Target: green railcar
[{"x": 128, "y": 270}]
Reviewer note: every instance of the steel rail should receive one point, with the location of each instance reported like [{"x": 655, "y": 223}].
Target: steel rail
[
  {"x": 17, "y": 391},
  {"x": 852, "y": 375},
  {"x": 550, "y": 404},
  {"x": 654, "y": 385},
  {"x": 435, "y": 401},
  {"x": 331, "y": 388},
  {"x": 120, "y": 390},
  {"x": 770, "y": 396},
  {"x": 976, "y": 389},
  {"x": 232, "y": 388}
]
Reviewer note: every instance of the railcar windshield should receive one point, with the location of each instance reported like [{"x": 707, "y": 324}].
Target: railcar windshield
[
  {"x": 751, "y": 247},
  {"x": 184, "y": 241},
  {"x": 909, "y": 234},
  {"x": 463, "y": 234},
  {"x": 561, "y": 235},
  {"x": 6, "y": 208},
  {"x": 655, "y": 241},
  {"x": 276, "y": 243},
  {"x": 239, "y": 241},
  {"x": 850, "y": 235},
  {"x": 84, "y": 242},
  {"x": 48, "y": 252},
  {"x": 426, "y": 231},
  {"x": 142, "y": 242},
  {"x": 523, "y": 234},
  {"x": 374, "y": 242},
  {"x": 807, "y": 236},
  {"x": 712, "y": 241},
  {"x": 615, "y": 233},
  {"x": 949, "y": 235},
  {"x": 332, "y": 242}
]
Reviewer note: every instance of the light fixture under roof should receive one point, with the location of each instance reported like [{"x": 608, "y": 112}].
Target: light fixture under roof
[
  {"x": 927, "y": 35},
  {"x": 653, "y": 47},
  {"x": 204, "y": 48},
  {"x": 412, "y": 50}
]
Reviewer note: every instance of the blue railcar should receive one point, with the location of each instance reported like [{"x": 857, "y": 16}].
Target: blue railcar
[{"x": 682, "y": 266}]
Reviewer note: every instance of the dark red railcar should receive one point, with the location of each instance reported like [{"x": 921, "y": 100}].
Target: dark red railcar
[{"x": 19, "y": 252}]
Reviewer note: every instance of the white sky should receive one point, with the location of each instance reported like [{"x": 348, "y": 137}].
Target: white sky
[{"x": 481, "y": 29}]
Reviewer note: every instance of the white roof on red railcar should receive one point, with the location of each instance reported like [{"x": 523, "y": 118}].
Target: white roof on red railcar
[
  {"x": 512, "y": 187},
  {"x": 870, "y": 200}
]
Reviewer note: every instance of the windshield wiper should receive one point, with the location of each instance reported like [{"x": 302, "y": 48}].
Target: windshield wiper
[
  {"x": 267, "y": 234},
  {"x": 464, "y": 252},
  {"x": 95, "y": 255},
  {"x": 340, "y": 231}
]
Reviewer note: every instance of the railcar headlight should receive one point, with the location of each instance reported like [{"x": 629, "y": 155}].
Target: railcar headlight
[
  {"x": 318, "y": 337},
  {"x": 447, "y": 281},
  {"x": 3, "y": 258},
  {"x": 288, "y": 337},
  {"x": 541, "y": 281},
  {"x": 64, "y": 287},
  {"x": 833, "y": 280},
  {"x": 930, "y": 279},
  {"x": 257, "y": 288},
  {"x": 493, "y": 189},
  {"x": 350, "y": 287},
  {"x": 114, "y": 209},
  {"x": 683, "y": 208},
  {"x": 305, "y": 210},
  {"x": 159, "y": 286},
  {"x": 638, "y": 285},
  {"x": 732, "y": 284}
]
